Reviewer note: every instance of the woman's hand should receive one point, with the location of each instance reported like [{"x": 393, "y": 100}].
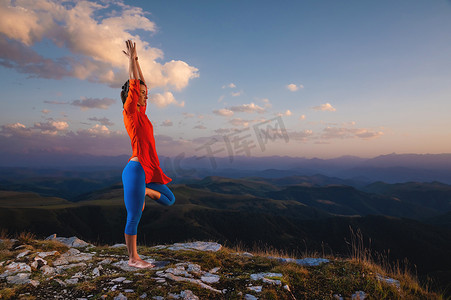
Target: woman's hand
[{"x": 131, "y": 49}]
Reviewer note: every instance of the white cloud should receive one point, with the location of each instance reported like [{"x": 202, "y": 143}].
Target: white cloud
[
  {"x": 223, "y": 112},
  {"x": 165, "y": 99},
  {"x": 293, "y": 87},
  {"x": 15, "y": 129},
  {"x": 288, "y": 113},
  {"x": 88, "y": 103},
  {"x": 302, "y": 117},
  {"x": 51, "y": 127},
  {"x": 93, "y": 37},
  {"x": 188, "y": 115},
  {"x": 302, "y": 135},
  {"x": 236, "y": 94},
  {"x": 249, "y": 108},
  {"x": 267, "y": 103},
  {"x": 45, "y": 111},
  {"x": 167, "y": 123},
  {"x": 230, "y": 86},
  {"x": 96, "y": 130},
  {"x": 221, "y": 98},
  {"x": 324, "y": 107}
]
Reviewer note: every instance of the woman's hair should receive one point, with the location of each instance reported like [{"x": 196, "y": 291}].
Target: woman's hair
[{"x": 125, "y": 87}]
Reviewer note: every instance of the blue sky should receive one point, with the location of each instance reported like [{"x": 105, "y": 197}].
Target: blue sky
[{"x": 343, "y": 77}]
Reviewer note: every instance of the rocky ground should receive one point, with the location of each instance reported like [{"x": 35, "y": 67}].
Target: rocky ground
[{"x": 69, "y": 268}]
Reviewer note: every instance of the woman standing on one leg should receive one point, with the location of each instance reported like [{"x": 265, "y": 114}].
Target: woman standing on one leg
[{"x": 142, "y": 176}]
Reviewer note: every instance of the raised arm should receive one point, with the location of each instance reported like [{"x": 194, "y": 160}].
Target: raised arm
[
  {"x": 139, "y": 71},
  {"x": 133, "y": 59}
]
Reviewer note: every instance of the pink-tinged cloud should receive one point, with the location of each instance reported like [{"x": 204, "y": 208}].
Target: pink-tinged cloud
[
  {"x": 167, "y": 123},
  {"x": 223, "y": 112},
  {"x": 200, "y": 126},
  {"x": 165, "y": 99},
  {"x": 102, "y": 121},
  {"x": 248, "y": 108},
  {"x": 90, "y": 103},
  {"x": 346, "y": 133},
  {"x": 324, "y": 107},
  {"x": 94, "y": 40}
]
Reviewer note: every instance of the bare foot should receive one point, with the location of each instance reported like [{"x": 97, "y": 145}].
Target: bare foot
[{"x": 139, "y": 263}]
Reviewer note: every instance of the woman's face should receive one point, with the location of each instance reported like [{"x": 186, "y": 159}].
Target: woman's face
[{"x": 142, "y": 95}]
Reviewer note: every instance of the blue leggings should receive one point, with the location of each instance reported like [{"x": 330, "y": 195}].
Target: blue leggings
[{"x": 134, "y": 181}]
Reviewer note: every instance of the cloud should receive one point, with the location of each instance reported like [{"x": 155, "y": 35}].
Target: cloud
[
  {"x": 267, "y": 103},
  {"x": 199, "y": 127},
  {"x": 89, "y": 103},
  {"x": 288, "y": 113},
  {"x": 51, "y": 127},
  {"x": 188, "y": 115},
  {"x": 165, "y": 99},
  {"x": 223, "y": 112},
  {"x": 230, "y": 86},
  {"x": 15, "y": 129},
  {"x": 293, "y": 87},
  {"x": 56, "y": 102},
  {"x": 239, "y": 122},
  {"x": 221, "y": 98},
  {"x": 45, "y": 111},
  {"x": 93, "y": 37},
  {"x": 302, "y": 117},
  {"x": 324, "y": 107},
  {"x": 249, "y": 108},
  {"x": 96, "y": 130},
  {"x": 236, "y": 94},
  {"x": 345, "y": 133},
  {"x": 302, "y": 135},
  {"x": 103, "y": 121},
  {"x": 167, "y": 123}
]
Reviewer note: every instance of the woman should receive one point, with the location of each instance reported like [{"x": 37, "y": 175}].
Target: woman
[{"x": 142, "y": 176}]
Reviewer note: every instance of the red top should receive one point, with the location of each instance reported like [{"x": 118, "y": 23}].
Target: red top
[{"x": 140, "y": 131}]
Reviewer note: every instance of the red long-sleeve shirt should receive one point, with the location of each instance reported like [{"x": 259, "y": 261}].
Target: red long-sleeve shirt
[{"x": 140, "y": 131}]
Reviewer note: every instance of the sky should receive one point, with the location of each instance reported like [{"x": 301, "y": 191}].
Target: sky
[{"x": 258, "y": 78}]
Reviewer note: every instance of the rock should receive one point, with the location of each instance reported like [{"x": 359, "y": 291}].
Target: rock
[
  {"x": 71, "y": 281},
  {"x": 195, "y": 281},
  {"x": 106, "y": 261},
  {"x": 388, "y": 280},
  {"x": 71, "y": 242},
  {"x": 303, "y": 262},
  {"x": 250, "y": 297},
  {"x": 123, "y": 264},
  {"x": 260, "y": 276},
  {"x": 214, "y": 270},
  {"x": 20, "y": 278},
  {"x": 156, "y": 297},
  {"x": 22, "y": 254},
  {"x": 119, "y": 279},
  {"x": 96, "y": 271},
  {"x": 188, "y": 295},
  {"x": 47, "y": 270},
  {"x": 359, "y": 295},
  {"x": 257, "y": 288},
  {"x": 120, "y": 297},
  {"x": 118, "y": 246},
  {"x": 247, "y": 254},
  {"x": 127, "y": 281},
  {"x": 201, "y": 246},
  {"x": 60, "y": 269},
  {"x": 194, "y": 268},
  {"x": 62, "y": 283},
  {"x": 45, "y": 254},
  {"x": 14, "y": 268},
  {"x": 144, "y": 295},
  {"x": 210, "y": 278},
  {"x": 73, "y": 255},
  {"x": 114, "y": 287},
  {"x": 129, "y": 291},
  {"x": 38, "y": 263}
]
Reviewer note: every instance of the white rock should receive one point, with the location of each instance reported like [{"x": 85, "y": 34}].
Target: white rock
[
  {"x": 127, "y": 281},
  {"x": 210, "y": 278},
  {"x": 195, "y": 281},
  {"x": 60, "y": 269},
  {"x": 22, "y": 254},
  {"x": 71, "y": 281},
  {"x": 114, "y": 287},
  {"x": 45, "y": 254},
  {"x": 388, "y": 280},
  {"x": 123, "y": 264},
  {"x": 201, "y": 246},
  {"x": 120, "y": 297},
  {"x": 156, "y": 297},
  {"x": 250, "y": 297},
  {"x": 129, "y": 291},
  {"x": 188, "y": 295},
  {"x": 47, "y": 270},
  {"x": 144, "y": 295},
  {"x": 14, "y": 268},
  {"x": 247, "y": 254},
  {"x": 260, "y": 276},
  {"x": 72, "y": 255},
  {"x": 119, "y": 279},
  {"x": 257, "y": 288},
  {"x": 106, "y": 261},
  {"x": 20, "y": 278},
  {"x": 62, "y": 283},
  {"x": 71, "y": 242},
  {"x": 338, "y": 297},
  {"x": 118, "y": 246},
  {"x": 38, "y": 262},
  {"x": 359, "y": 295},
  {"x": 194, "y": 268},
  {"x": 214, "y": 270},
  {"x": 96, "y": 271}
]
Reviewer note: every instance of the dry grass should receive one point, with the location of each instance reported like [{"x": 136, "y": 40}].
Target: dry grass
[{"x": 26, "y": 237}]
